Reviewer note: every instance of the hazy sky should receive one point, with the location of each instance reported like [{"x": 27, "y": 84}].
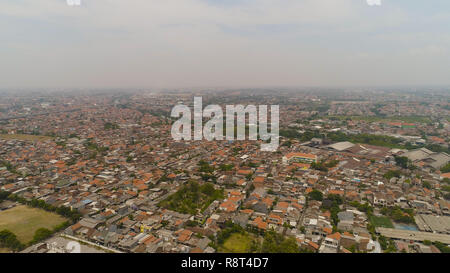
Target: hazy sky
[{"x": 177, "y": 43}]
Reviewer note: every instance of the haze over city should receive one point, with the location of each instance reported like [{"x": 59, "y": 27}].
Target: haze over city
[{"x": 235, "y": 43}]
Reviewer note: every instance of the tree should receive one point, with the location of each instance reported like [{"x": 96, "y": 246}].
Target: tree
[
  {"x": 392, "y": 173},
  {"x": 315, "y": 195},
  {"x": 447, "y": 196},
  {"x": 302, "y": 229},
  {"x": 249, "y": 176},
  {"x": 226, "y": 167},
  {"x": 442, "y": 247},
  {"x": 207, "y": 189},
  {"x": 400, "y": 215},
  {"x": 402, "y": 161},
  {"x": 192, "y": 197},
  {"x": 277, "y": 243},
  {"x": 446, "y": 168},
  {"x": 319, "y": 166},
  {"x": 3, "y": 195},
  {"x": 426, "y": 184},
  {"x": 109, "y": 126},
  {"x": 41, "y": 234},
  {"x": 287, "y": 144},
  {"x": 9, "y": 240},
  {"x": 336, "y": 199},
  {"x": 383, "y": 242},
  {"x": 362, "y": 207},
  {"x": 205, "y": 167}
]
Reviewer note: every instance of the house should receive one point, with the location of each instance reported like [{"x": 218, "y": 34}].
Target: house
[
  {"x": 379, "y": 199},
  {"x": 348, "y": 240},
  {"x": 331, "y": 243},
  {"x": 89, "y": 222},
  {"x": 346, "y": 220},
  {"x": 425, "y": 158},
  {"x": 300, "y": 158},
  {"x": 228, "y": 206},
  {"x": 241, "y": 219},
  {"x": 310, "y": 245},
  {"x": 445, "y": 175}
]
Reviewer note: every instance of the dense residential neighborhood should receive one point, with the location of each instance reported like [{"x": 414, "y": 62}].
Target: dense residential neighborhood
[{"x": 344, "y": 179}]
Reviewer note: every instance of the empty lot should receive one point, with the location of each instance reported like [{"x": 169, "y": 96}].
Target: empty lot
[
  {"x": 237, "y": 243},
  {"x": 24, "y": 221}
]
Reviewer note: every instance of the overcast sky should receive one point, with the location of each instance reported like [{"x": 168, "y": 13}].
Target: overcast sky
[{"x": 248, "y": 43}]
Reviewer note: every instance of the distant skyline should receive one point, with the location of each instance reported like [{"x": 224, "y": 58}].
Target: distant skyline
[{"x": 224, "y": 43}]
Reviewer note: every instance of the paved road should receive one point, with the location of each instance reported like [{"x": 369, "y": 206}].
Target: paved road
[{"x": 90, "y": 243}]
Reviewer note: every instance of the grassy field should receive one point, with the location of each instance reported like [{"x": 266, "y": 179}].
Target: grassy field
[
  {"x": 381, "y": 221},
  {"x": 25, "y": 137},
  {"x": 237, "y": 243},
  {"x": 4, "y": 250},
  {"x": 24, "y": 221}
]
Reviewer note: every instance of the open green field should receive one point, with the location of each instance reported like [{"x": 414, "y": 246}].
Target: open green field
[
  {"x": 23, "y": 221},
  {"x": 237, "y": 243},
  {"x": 381, "y": 221},
  {"x": 25, "y": 137},
  {"x": 4, "y": 250}
]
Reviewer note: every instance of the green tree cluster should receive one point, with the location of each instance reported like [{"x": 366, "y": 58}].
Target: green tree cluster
[
  {"x": 392, "y": 173},
  {"x": 316, "y": 195},
  {"x": 9, "y": 240},
  {"x": 111, "y": 126},
  {"x": 399, "y": 215},
  {"x": 192, "y": 198},
  {"x": 277, "y": 243},
  {"x": 402, "y": 161},
  {"x": 446, "y": 168},
  {"x": 333, "y": 207}
]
